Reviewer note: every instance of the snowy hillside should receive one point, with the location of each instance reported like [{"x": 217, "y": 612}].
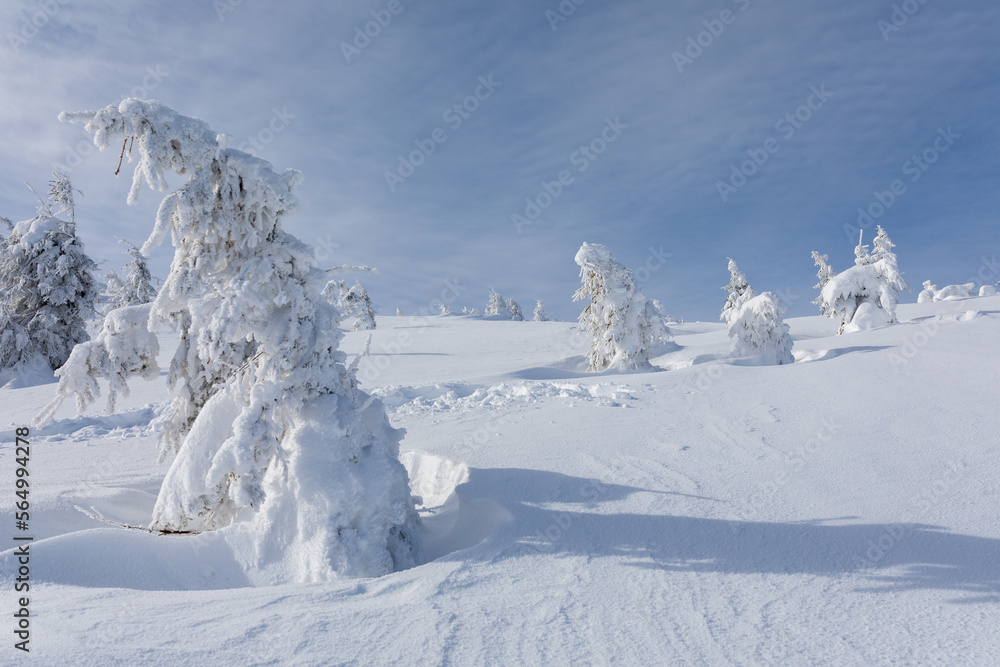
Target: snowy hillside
[{"x": 843, "y": 509}]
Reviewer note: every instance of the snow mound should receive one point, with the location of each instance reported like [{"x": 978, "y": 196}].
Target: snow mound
[
  {"x": 136, "y": 559},
  {"x": 455, "y": 522},
  {"x": 868, "y": 316}
]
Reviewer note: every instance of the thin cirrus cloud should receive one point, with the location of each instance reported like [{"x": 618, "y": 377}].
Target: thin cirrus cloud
[{"x": 345, "y": 124}]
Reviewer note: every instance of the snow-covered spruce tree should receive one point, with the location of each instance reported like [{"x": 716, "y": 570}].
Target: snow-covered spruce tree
[
  {"x": 359, "y": 304},
  {"x": 620, "y": 320},
  {"x": 399, "y": 312},
  {"x": 515, "y": 310},
  {"x": 47, "y": 285},
  {"x": 757, "y": 330},
  {"x": 124, "y": 348},
  {"x": 739, "y": 292},
  {"x": 861, "y": 254},
  {"x": 824, "y": 273},
  {"x": 265, "y": 418},
  {"x": 539, "y": 314},
  {"x": 887, "y": 269},
  {"x": 865, "y": 295},
  {"x": 138, "y": 284},
  {"x": 497, "y": 306}
]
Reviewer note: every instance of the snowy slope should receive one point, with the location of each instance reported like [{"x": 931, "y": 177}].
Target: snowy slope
[{"x": 839, "y": 510}]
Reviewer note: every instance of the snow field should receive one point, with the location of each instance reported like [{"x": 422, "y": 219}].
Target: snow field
[{"x": 838, "y": 510}]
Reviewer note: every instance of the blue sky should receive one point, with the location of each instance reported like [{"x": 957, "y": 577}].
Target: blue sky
[{"x": 660, "y": 131}]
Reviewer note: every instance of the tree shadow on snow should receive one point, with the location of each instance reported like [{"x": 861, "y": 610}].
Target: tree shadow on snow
[{"x": 895, "y": 556}]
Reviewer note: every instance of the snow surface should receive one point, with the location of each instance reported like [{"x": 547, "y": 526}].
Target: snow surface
[{"x": 841, "y": 510}]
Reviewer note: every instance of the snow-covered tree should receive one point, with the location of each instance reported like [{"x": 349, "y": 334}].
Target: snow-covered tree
[
  {"x": 47, "y": 286},
  {"x": 137, "y": 287},
  {"x": 497, "y": 306},
  {"x": 887, "y": 269},
  {"x": 621, "y": 322},
  {"x": 399, "y": 312},
  {"x": 758, "y": 330},
  {"x": 539, "y": 314},
  {"x": 866, "y": 294},
  {"x": 739, "y": 292},
  {"x": 824, "y": 273},
  {"x": 927, "y": 295},
  {"x": 359, "y": 304},
  {"x": 351, "y": 302},
  {"x": 861, "y": 255},
  {"x": 266, "y": 419},
  {"x": 515, "y": 310},
  {"x": 124, "y": 348}
]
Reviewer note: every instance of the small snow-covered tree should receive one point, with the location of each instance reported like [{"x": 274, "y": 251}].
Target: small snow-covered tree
[
  {"x": 47, "y": 285},
  {"x": 622, "y": 323},
  {"x": 266, "y": 419},
  {"x": 351, "y": 302},
  {"x": 539, "y": 314},
  {"x": 739, "y": 292},
  {"x": 137, "y": 287},
  {"x": 515, "y": 310},
  {"x": 497, "y": 306},
  {"x": 861, "y": 255},
  {"x": 138, "y": 281},
  {"x": 887, "y": 269},
  {"x": 759, "y": 331},
  {"x": 927, "y": 295},
  {"x": 359, "y": 304},
  {"x": 124, "y": 348},
  {"x": 866, "y": 294},
  {"x": 824, "y": 273},
  {"x": 399, "y": 312}
]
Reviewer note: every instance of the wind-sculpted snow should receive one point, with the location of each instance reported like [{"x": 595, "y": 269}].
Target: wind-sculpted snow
[{"x": 458, "y": 396}]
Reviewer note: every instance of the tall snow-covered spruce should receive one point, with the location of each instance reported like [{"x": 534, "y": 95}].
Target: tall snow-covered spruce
[
  {"x": 47, "y": 286},
  {"x": 267, "y": 423},
  {"x": 622, "y": 323}
]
